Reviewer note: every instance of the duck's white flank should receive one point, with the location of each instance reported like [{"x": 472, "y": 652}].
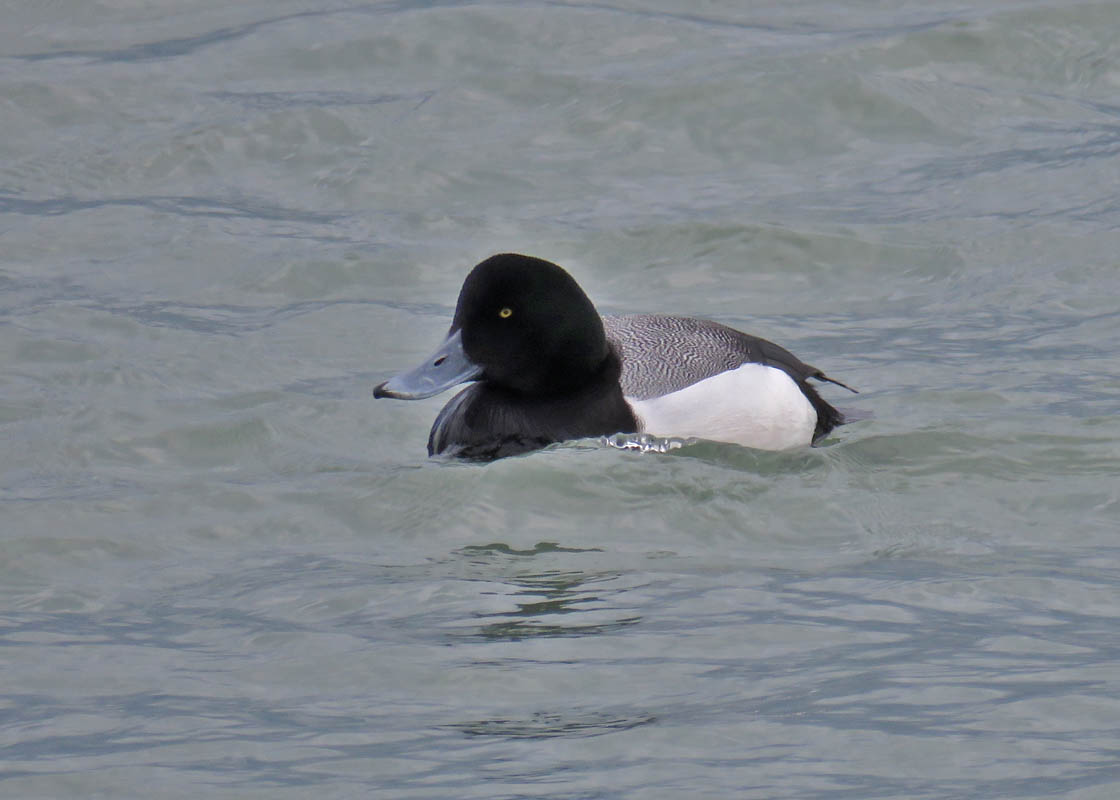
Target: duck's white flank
[{"x": 754, "y": 405}]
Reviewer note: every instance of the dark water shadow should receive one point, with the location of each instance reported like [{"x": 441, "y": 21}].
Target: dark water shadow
[
  {"x": 162, "y": 49},
  {"x": 553, "y": 724},
  {"x": 182, "y": 205},
  {"x": 273, "y": 101}
]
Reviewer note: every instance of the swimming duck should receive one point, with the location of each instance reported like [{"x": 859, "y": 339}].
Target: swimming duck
[{"x": 546, "y": 367}]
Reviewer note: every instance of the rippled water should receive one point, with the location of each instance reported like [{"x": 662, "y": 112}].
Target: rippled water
[{"x": 226, "y": 571}]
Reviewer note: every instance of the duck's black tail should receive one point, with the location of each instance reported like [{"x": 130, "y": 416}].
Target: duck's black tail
[{"x": 827, "y": 416}]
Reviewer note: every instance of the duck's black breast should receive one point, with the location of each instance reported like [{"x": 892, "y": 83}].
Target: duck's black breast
[{"x": 485, "y": 421}]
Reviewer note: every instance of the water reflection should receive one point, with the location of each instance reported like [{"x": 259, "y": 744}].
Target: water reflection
[{"x": 560, "y": 602}]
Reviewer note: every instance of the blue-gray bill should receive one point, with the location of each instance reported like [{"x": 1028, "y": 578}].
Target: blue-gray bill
[{"x": 448, "y": 366}]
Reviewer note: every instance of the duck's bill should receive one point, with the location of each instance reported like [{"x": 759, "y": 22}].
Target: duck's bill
[{"x": 448, "y": 366}]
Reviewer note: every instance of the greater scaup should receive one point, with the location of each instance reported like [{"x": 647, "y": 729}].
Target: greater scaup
[{"x": 547, "y": 368}]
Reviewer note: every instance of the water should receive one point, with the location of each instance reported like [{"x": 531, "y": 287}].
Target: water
[{"x": 226, "y": 571}]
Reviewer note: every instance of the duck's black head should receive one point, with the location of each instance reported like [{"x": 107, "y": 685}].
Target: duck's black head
[
  {"x": 528, "y": 334},
  {"x": 529, "y": 326},
  {"x": 522, "y": 325}
]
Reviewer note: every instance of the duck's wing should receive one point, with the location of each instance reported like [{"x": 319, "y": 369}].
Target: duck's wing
[{"x": 663, "y": 354}]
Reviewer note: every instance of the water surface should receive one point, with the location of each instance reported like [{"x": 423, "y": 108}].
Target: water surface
[{"x": 226, "y": 571}]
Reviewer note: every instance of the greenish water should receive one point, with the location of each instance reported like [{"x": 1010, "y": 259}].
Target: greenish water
[{"x": 226, "y": 571}]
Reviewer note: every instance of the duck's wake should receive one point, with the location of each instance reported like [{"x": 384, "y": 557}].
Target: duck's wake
[{"x": 645, "y": 442}]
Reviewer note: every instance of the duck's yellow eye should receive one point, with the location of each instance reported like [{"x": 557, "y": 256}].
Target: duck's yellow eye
[{"x": 506, "y": 313}]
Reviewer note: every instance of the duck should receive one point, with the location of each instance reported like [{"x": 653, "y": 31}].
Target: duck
[{"x": 543, "y": 367}]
